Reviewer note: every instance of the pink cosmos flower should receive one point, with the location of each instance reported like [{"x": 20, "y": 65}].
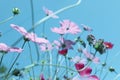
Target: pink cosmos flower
[
  {"x": 5, "y": 48},
  {"x": 77, "y": 59},
  {"x": 46, "y": 47},
  {"x": 86, "y": 28},
  {"x": 67, "y": 26},
  {"x": 49, "y": 12},
  {"x": 90, "y": 56},
  {"x": 30, "y": 36}
]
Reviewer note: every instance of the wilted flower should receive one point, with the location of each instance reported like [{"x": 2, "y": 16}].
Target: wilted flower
[
  {"x": 4, "y": 48},
  {"x": 16, "y": 72},
  {"x": 99, "y": 46},
  {"x": 91, "y": 39},
  {"x": 86, "y": 28},
  {"x": 108, "y": 45},
  {"x": 49, "y": 12},
  {"x": 67, "y": 27},
  {"x": 29, "y": 36}
]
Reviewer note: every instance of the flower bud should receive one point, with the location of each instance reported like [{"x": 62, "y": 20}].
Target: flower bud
[{"x": 16, "y": 11}]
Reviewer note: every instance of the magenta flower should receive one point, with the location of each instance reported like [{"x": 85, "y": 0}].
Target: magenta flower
[
  {"x": 29, "y": 36},
  {"x": 108, "y": 45},
  {"x": 46, "y": 47},
  {"x": 63, "y": 52},
  {"x": 4, "y": 48},
  {"x": 49, "y": 12},
  {"x": 90, "y": 56},
  {"x": 92, "y": 77},
  {"x": 67, "y": 26},
  {"x": 85, "y": 74},
  {"x": 86, "y": 28}
]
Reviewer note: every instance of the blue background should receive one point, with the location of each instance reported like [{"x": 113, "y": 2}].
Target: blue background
[{"x": 103, "y": 16}]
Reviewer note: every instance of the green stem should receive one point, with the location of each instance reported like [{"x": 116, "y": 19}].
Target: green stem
[
  {"x": 1, "y": 59},
  {"x": 14, "y": 61},
  {"x": 31, "y": 61},
  {"x": 6, "y": 19}
]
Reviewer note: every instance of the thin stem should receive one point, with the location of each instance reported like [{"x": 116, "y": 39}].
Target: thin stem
[
  {"x": 105, "y": 76},
  {"x": 31, "y": 61},
  {"x": 1, "y": 59},
  {"x": 6, "y": 19},
  {"x": 66, "y": 66},
  {"x": 50, "y": 61},
  {"x": 54, "y": 76},
  {"x": 15, "y": 61}
]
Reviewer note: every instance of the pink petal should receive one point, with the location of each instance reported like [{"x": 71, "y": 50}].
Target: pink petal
[
  {"x": 86, "y": 72},
  {"x": 4, "y": 47},
  {"x": 19, "y": 29},
  {"x": 14, "y": 49}
]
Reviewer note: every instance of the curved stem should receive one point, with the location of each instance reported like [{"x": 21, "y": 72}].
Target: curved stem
[{"x": 6, "y": 19}]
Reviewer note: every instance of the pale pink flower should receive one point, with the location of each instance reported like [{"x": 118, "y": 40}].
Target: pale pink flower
[
  {"x": 30, "y": 36},
  {"x": 78, "y": 59},
  {"x": 49, "y": 12},
  {"x": 5, "y": 48},
  {"x": 90, "y": 56},
  {"x": 57, "y": 44},
  {"x": 46, "y": 47},
  {"x": 67, "y": 26}
]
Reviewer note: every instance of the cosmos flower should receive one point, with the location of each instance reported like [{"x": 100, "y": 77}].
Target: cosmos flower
[
  {"x": 85, "y": 74},
  {"x": 4, "y": 48},
  {"x": 90, "y": 56},
  {"x": 49, "y": 12},
  {"x": 67, "y": 26},
  {"x": 29, "y": 36},
  {"x": 86, "y": 28},
  {"x": 46, "y": 47},
  {"x": 108, "y": 45},
  {"x": 91, "y": 77},
  {"x": 78, "y": 59},
  {"x": 63, "y": 51}
]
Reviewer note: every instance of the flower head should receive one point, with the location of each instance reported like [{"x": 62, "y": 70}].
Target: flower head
[
  {"x": 29, "y": 36},
  {"x": 63, "y": 51},
  {"x": 67, "y": 26},
  {"x": 49, "y": 12},
  {"x": 90, "y": 56},
  {"x": 108, "y": 45},
  {"x": 4, "y": 48},
  {"x": 46, "y": 47}
]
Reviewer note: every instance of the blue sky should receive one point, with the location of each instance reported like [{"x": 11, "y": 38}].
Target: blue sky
[{"x": 101, "y": 15}]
